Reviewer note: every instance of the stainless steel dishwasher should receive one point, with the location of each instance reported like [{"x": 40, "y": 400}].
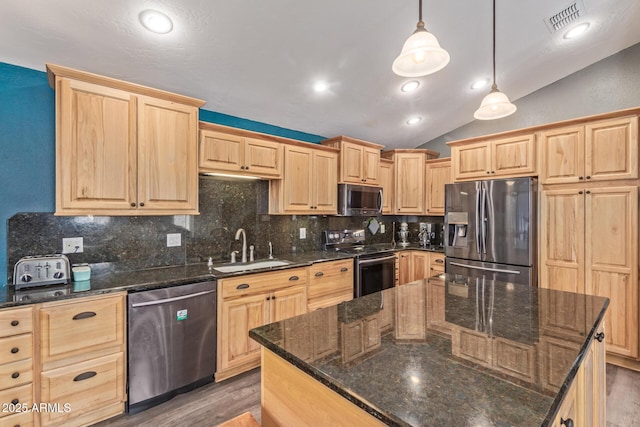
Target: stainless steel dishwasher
[{"x": 171, "y": 342}]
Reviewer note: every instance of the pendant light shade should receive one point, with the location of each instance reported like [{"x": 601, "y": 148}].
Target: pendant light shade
[
  {"x": 421, "y": 54},
  {"x": 496, "y": 104}
]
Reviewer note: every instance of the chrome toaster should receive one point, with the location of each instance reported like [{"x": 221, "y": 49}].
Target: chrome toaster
[{"x": 41, "y": 270}]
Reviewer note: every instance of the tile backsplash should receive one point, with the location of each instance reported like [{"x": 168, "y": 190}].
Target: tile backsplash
[{"x": 137, "y": 242}]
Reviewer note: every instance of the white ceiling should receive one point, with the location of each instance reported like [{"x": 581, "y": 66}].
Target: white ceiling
[{"x": 258, "y": 59}]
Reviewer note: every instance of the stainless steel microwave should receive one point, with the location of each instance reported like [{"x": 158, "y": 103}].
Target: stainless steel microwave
[{"x": 359, "y": 200}]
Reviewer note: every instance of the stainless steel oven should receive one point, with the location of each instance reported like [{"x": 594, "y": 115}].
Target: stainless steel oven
[{"x": 374, "y": 273}]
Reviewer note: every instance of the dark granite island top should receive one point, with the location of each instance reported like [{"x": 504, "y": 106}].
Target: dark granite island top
[{"x": 442, "y": 351}]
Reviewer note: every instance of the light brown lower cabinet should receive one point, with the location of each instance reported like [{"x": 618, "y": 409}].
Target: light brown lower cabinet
[{"x": 330, "y": 283}]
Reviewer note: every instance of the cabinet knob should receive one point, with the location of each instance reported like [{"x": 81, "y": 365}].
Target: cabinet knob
[
  {"x": 246, "y": 168},
  {"x": 580, "y": 192},
  {"x": 268, "y": 298},
  {"x": 588, "y": 176},
  {"x": 580, "y": 178},
  {"x": 15, "y": 323},
  {"x": 133, "y": 205},
  {"x": 588, "y": 191},
  {"x": 600, "y": 336},
  {"x": 14, "y": 350},
  {"x": 493, "y": 171},
  {"x": 488, "y": 172},
  {"x": 15, "y": 375},
  {"x": 15, "y": 401},
  {"x": 568, "y": 422},
  {"x": 141, "y": 204},
  {"x": 319, "y": 274}
]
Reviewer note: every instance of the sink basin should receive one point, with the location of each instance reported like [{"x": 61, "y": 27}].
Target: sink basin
[{"x": 232, "y": 268}]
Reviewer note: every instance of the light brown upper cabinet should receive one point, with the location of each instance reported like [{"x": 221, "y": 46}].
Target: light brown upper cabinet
[
  {"x": 437, "y": 174},
  {"x": 503, "y": 157},
  {"x": 386, "y": 182},
  {"x": 409, "y": 178},
  {"x": 597, "y": 151},
  {"x": 123, "y": 149},
  {"x": 359, "y": 160},
  {"x": 309, "y": 184},
  {"x": 229, "y": 151}
]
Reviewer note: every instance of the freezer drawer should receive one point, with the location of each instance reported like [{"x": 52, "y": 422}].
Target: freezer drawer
[
  {"x": 500, "y": 272},
  {"x": 172, "y": 341}
]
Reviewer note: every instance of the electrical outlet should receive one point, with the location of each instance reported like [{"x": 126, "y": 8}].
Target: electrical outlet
[
  {"x": 303, "y": 233},
  {"x": 383, "y": 228},
  {"x": 72, "y": 245},
  {"x": 174, "y": 239}
]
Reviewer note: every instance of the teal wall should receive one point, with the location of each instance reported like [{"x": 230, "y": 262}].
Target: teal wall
[{"x": 27, "y": 145}]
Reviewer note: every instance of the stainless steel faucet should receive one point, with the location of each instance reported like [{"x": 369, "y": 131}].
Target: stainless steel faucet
[{"x": 244, "y": 243}]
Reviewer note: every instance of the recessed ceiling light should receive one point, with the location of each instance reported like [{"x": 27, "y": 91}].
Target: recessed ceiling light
[
  {"x": 414, "y": 120},
  {"x": 156, "y": 22},
  {"x": 320, "y": 86},
  {"x": 410, "y": 86},
  {"x": 576, "y": 31},
  {"x": 480, "y": 83}
]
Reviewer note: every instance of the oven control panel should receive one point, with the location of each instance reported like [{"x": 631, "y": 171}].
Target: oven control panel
[{"x": 333, "y": 239}]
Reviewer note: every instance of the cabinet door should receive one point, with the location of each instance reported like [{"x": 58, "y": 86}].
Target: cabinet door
[
  {"x": 351, "y": 340},
  {"x": 437, "y": 174},
  {"x": 372, "y": 338},
  {"x": 411, "y": 313},
  {"x": 351, "y": 163},
  {"x": 95, "y": 148},
  {"x": 324, "y": 332},
  {"x": 238, "y": 317},
  {"x": 409, "y": 183},
  {"x": 514, "y": 359},
  {"x": 569, "y": 409},
  {"x": 436, "y": 306},
  {"x": 298, "y": 180},
  {"x": 611, "y": 259},
  {"x": 263, "y": 158},
  {"x": 471, "y": 161},
  {"x": 514, "y": 156},
  {"x": 436, "y": 264},
  {"x": 419, "y": 265},
  {"x": 611, "y": 149},
  {"x": 561, "y": 155},
  {"x": 220, "y": 151},
  {"x": 562, "y": 240},
  {"x": 167, "y": 156},
  {"x": 371, "y": 163},
  {"x": 288, "y": 302},
  {"x": 387, "y": 183},
  {"x": 325, "y": 183},
  {"x": 471, "y": 345},
  {"x": 404, "y": 267}
]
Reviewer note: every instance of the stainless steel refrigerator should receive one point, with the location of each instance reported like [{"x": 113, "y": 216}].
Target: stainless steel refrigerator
[{"x": 490, "y": 229}]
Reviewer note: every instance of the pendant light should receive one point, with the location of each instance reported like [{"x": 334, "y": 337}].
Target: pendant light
[
  {"x": 421, "y": 54},
  {"x": 496, "y": 104}
]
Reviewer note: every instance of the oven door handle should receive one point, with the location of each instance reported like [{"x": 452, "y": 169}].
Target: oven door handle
[{"x": 375, "y": 260}]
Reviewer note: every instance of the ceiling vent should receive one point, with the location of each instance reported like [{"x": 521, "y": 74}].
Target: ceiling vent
[{"x": 566, "y": 16}]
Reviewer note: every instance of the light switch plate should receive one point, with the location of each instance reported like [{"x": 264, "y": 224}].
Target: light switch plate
[
  {"x": 303, "y": 233},
  {"x": 174, "y": 239}
]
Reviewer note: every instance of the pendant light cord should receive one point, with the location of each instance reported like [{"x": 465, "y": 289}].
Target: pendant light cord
[
  {"x": 420, "y": 11},
  {"x": 495, "y": 86}
]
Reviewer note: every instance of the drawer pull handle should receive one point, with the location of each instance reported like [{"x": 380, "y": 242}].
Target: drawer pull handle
[
  {"x": 243, "y": 286},
  {"x": 600, "y": 336},
  {"x": 85, "y": 376},
  {"x": 15, "y": 401},
  {"x": 343, "y": 269},
  {"x": 440, "y": 261},
  {"x": 84, "y": 315},
  {"x": 14, "y": 350},
  {"x": 292, "y": 278},
  {"x": 319, "y": 274},
  {"x": 15, "y": 375},
  {"x": 15, "y": 323}
]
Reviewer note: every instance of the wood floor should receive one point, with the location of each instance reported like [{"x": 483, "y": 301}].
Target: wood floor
[{"x": 215, "y": 403}]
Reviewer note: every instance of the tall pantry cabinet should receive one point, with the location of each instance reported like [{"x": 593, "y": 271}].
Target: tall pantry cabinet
[{"x": 589, "y": 221}]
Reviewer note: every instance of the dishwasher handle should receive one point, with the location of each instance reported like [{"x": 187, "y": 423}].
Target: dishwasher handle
[{"x": 166, "y": 300}]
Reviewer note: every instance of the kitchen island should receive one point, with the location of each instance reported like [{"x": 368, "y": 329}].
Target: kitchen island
[{"x": 440, "y": 351}]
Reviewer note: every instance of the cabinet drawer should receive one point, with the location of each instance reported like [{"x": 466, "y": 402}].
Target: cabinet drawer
[
  {"x": 15, "y": 348},
  {"x": 85, "y": 386},
  {"x": 81, "y": 327},
  {"x": 16, "y": 373},
  {"x": 16, "y": 321},
  {"x": 330, "y": 279},
  {"x": 22, "y": 395},
  {"x": 437, "y": 264},
  {"x": 263, "y": 282},
  {"x": 21, "y": 419}
]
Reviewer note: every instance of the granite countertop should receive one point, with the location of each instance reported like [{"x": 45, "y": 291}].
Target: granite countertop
[
  {"x": 105, "y": 280},
  {"x": 453, "y": 351}
]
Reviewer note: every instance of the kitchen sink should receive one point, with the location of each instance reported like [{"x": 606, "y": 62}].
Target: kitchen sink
[{"x": 233, "y": 268}]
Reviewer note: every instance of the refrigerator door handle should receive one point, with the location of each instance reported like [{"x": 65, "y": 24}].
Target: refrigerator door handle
[
  {"x": 495, "y": 270},
  {"x": 483, "y": 218},
  {"x": 477, "y": 224}
]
